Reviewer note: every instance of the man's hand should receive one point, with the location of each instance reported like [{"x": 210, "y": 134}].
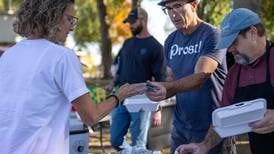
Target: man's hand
[
  {"x": 156, "y": 118},
  {"x": 211, "y": 140},
  {"x": 159, "y": 94},
  {"x": 194, "y": 148},
  {"x": 128, "y": 90},
  {"x": 265, "y": 125}
]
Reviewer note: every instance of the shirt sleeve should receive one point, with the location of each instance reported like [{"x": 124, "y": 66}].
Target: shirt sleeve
[
  {"x": 218, "y": 55},
  {"x": 166, "y": 48},
  {"x": 68, "y": 76}
]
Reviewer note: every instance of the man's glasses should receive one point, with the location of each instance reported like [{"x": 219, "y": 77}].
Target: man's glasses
[
  {"x": 176, "y": 7},
  {"x": 72, "y": 19}
]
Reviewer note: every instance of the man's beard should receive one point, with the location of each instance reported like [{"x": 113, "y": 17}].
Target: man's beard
[
  {"x": 137, "y": 30},
  {"x": 241, "y": 59}
]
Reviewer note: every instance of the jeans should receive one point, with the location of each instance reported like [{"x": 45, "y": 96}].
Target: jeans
[{"x": 138, "y": 122}]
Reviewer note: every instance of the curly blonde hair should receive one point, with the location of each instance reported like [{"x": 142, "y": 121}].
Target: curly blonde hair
[{"x": 40, "y": 17}]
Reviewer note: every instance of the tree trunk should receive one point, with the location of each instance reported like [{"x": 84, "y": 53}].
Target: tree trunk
[
  {"x": 254, "y": 5},
  {"x": 105, "y": 44}
]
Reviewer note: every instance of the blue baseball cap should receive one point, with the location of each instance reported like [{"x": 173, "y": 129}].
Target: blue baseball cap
[{"x": 237, "y": 20}]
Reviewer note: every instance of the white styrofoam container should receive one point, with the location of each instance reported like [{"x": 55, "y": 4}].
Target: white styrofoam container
[
  {"x": 140, "y": 103},
  {"x": 234, "y": 119}
]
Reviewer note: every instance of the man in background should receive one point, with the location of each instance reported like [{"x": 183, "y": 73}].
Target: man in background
[{"x": 140, "y": 59}]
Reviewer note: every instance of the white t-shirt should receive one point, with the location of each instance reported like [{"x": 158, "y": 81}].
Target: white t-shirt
[{"x": 38, "y": 82}]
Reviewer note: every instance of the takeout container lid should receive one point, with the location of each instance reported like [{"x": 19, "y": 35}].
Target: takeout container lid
[
  {"x": 234, "y": 119},
  {"x": 140, "y": 103}
]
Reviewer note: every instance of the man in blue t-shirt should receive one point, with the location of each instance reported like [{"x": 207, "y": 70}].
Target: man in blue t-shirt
[
  {"x": 199, "y": 72},
  {"x": 140, "y": 59}
]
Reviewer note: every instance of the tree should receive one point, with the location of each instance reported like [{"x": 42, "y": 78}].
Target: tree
[
  {"x": 264, "y": 8},
  {"x": 102, "y": 22},
  {"x": 267, "y": 16},
  {"x": 254, "y": 5},
  {"x": 105, "y": 39},
  {"x": 5, "y": 5},
  {"x": 87, "y": 30},
  {"x": 213, "y": 11}
]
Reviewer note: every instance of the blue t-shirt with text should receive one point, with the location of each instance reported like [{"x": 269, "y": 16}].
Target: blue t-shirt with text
[{"x": 194, "y": 108}]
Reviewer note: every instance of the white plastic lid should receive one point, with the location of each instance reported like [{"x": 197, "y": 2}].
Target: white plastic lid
[
  {"x": 234, "y": 119},
  {"x": 140, "y": 103}
]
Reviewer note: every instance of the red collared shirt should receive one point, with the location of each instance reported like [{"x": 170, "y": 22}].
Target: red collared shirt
[{"x": 250, "y": 74}]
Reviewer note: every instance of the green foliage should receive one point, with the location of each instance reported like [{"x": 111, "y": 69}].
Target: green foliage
[
  {"x": 87, "y": 29},
  {"x": 268, "y": 17},
  {"x": 15, "y": 4},
  {"x": 4, "y": 4},
  {"x": 115, "y": 4},
  {"x": 213, "y": 11}
]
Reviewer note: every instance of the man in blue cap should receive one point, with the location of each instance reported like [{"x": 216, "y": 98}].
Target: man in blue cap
[{"x": 251, "y": 77}]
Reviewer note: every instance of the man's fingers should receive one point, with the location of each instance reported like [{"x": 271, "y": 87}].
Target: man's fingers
[{"x": 264, "y": 130}]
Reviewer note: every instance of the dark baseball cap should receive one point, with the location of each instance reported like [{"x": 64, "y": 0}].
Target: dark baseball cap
[
  {"x": 134, "y": 14},
  {"x": 164, "y": 2}
]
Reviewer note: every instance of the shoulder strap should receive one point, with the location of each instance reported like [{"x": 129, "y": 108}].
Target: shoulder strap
[{"x": 269, "y": 45}]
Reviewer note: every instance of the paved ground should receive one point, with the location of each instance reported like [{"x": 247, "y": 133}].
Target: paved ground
[{"x": 95, "y": 146}]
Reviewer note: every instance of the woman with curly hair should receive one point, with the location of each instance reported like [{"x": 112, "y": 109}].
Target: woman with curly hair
[{"x": 40, "y": 79}]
